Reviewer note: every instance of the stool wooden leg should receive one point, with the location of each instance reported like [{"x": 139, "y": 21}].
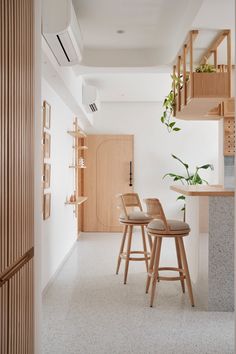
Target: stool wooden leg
[
  {"x": 128, "y": 253},
  {"x": 150, "y": 241},
  {"x": 121, "y": 248},
  {"x": 144, "y": 247},
  {"x": 153, "y": 252},
  {"x": 179, "y": 262},
  {"x": 156, "y": 266},
  {"x": 186, "y": 271}
]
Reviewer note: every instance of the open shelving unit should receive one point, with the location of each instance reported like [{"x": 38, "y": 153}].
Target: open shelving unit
[
  {"x": 78, "y": 147},
  {"x": 200, "y": 95}
]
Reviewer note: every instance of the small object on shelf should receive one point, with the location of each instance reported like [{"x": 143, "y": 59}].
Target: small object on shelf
[
  {"x": 72, "y": 198},
  {"x": 81, "y": 162}
]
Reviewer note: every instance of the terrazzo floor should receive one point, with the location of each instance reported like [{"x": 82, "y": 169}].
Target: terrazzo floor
[{"x": 88, "y": 310}]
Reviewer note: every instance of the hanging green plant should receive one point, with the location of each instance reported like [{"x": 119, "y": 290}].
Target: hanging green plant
[
  {"x": 188, "y": 178},
  {"x": 169, "y": 105}
]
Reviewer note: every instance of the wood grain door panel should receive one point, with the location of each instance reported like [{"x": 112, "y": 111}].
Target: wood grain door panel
[{"x": 107, "y": 174}]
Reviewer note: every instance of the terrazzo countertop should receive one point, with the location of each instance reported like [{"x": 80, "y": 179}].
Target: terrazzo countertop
[{"x": 203, "y": 190}]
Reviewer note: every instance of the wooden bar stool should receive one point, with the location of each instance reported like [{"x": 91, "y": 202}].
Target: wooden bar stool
[
  {"x": 159, "y": 228},
  {"x": 130, "y": 218}
]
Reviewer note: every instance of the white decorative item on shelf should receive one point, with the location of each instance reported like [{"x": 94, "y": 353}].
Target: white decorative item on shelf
[{"x": 81, "y": 162}]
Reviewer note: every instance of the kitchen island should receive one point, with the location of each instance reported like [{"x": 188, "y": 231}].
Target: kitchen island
[{"x": 210, "y": 245}]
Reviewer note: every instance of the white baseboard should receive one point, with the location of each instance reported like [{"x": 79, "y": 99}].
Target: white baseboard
[{"x": 53, "y": 277}]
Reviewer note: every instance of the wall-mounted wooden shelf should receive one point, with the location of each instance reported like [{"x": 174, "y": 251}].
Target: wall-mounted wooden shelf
[
  {"x": 80, "y": 147},
  {"x": 79, "y": 201},
  {"x": 77, "y": 133},
  {"x": 76, "y": 166}
]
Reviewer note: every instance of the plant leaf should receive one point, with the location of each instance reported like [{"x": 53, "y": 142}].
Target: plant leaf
[
  {"x": 183, "y": 163},
  {"x": 181, "y": 197},
  {"x": 174, "y": 176},
  {"x": 205, "y": 167}
]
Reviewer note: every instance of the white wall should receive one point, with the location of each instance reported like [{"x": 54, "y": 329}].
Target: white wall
[
  {"x": 59, "y": 231},
  {"x": 196, "y": 144}
]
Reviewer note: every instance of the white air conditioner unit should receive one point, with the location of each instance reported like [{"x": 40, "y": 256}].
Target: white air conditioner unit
[
  {"x": 90, "y": 98},
  {"x": 61, "y": 31}
]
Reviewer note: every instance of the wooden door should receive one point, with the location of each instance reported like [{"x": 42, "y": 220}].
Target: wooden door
[
  {"x": 107, "y": 174},
  {"x": 16, "y": 176}
]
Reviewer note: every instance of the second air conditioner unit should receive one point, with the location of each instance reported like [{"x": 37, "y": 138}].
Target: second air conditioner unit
[{"x": 90, "y": 98}]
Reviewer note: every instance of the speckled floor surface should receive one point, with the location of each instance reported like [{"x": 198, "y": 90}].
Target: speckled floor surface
[{"x": 88, "y": 310}]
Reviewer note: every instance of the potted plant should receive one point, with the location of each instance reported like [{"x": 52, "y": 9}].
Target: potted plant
[{"x": 188, "y": 178}]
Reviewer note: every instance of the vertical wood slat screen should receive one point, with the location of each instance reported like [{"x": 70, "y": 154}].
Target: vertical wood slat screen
[{"x": 16, "y": 176}]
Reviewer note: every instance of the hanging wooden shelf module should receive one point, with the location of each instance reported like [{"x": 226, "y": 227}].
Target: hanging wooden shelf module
[{"x": 200, "y": 95}]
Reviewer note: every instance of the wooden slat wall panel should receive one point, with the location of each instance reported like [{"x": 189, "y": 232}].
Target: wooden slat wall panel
[
  {"x": 16, "y": 19},
  {"x": 4, "y": 139},
  {"x": 4, "y": 319},
  {"x": 20, "y": 311},
  {"x": 16, "y": 175}
]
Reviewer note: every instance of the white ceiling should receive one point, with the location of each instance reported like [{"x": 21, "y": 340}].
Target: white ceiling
[
  {"x": 149, "y": 25},
  {"x": 139, "y": 87},
  {"x": 153, "y": 30}
]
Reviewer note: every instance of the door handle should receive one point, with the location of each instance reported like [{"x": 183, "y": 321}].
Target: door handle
[{"x": 130, "y": 174}]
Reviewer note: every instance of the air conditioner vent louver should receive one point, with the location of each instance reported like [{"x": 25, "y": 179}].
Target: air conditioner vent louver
[
  {"x": 90, "y": 98},
  {"x": 93, "y": 107},
  {"x": 62, "y": 46}
]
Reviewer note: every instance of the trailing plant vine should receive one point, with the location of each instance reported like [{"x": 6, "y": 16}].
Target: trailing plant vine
[{"x": 169, "y": 105}]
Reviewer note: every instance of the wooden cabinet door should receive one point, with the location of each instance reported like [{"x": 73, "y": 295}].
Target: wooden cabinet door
[{"x": 107, "y": 174}]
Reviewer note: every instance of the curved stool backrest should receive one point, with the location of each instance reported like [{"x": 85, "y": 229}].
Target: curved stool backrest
[
  {"x": 129, "y": 200},
  {"x": 155, "y": 210}
]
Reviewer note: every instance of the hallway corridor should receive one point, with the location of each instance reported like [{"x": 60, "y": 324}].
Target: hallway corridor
[{"x": 88, "y": 310}]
